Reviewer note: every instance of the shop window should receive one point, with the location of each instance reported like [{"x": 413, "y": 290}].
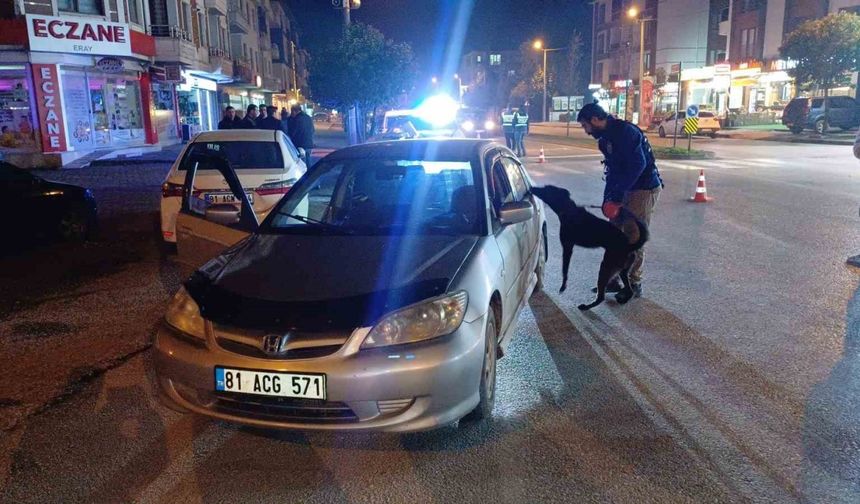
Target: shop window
[{"x": 16, "y": 129}]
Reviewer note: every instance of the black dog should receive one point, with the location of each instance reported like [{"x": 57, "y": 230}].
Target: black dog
[{"x": 579, "y": 227}]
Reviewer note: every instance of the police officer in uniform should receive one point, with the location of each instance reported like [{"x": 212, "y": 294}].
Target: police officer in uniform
[
  {"x": 508, "y": 126},
  {"x": 521, "y": 128},
  {"x": 632, "y": 178}
]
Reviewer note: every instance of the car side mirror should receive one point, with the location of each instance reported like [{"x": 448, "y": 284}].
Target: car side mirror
[
  {"x": 301, "y": 151},
  {"x": 223, "y": 214},
  {"x": 516, "y": 212}
]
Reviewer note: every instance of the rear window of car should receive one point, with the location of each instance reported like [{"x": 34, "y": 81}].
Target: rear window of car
[
  {"x": 817, "y": 103},
  {"x": 242, "y": 155}
]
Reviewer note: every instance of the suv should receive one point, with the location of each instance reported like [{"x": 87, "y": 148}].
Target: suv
[{"x": 802, "y": 113}]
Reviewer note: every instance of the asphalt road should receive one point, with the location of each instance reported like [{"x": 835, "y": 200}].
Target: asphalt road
[{"x": 734, "y": 379}]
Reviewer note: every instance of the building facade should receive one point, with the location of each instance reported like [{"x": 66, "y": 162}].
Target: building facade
[{"x": 77, "y": 76}]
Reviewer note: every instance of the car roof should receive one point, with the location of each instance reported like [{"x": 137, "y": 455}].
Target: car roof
[
  {"x": 237, "y": 135},
  {"x": 417, "y": 149}
]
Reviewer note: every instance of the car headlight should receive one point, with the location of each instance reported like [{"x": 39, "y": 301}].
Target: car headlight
[
  {"x": 419, "y": 322},
  {"x": 489, "y": 125},
  {"x": 468, "y": 126},
  {"x": 183, "y": 314}
]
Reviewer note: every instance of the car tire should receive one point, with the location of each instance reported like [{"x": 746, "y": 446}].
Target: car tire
[
  {"x": 796, "y": 130},
  {"x": 821, "y": 126},
  {"x": 487, "y": 385},
  {"x": 74, "y": 225},
  {"x": 543, "y": 252},
  {"x": 713, "y": 134},
  {"x": 661, "y": 132}
]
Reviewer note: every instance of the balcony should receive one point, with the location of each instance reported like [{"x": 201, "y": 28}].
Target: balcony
[
  {"x": 173, "y": 45},
  {"x": 217, "y": 6},
  {"x": 220, "y": 61},
  {"x": 243, "y": 72},
  {"x": 272, "y": 84},
  {"x": 239, "y": 21}
]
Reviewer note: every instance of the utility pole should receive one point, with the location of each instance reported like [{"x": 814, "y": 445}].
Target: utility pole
[{"x": 346, "y": 13}]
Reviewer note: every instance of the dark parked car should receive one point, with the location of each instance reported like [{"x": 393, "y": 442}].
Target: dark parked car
[
  {"x": 37, "y": 207},
  {"x": 808, "y": 113}
]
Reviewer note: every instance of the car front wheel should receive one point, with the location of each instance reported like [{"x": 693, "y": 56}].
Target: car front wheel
[{"x": 487, "y": 387}]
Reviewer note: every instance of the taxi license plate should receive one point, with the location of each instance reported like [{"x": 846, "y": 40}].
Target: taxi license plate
[
  {"x": 246, "y": 381},
  {"x": 219, "y": 198}
]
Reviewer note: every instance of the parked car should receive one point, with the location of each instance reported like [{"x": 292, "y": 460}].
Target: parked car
[
  {"x": 708, "y": 124},
  {"x": 808, "y": 113},
  {"x": 322, "y": 117},
  {"x": 267, "y": 162},
  {"x": 40, "y": 208},
  {"x": 377, "y": 294}
]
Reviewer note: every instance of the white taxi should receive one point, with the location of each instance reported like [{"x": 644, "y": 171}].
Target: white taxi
[{"x": 267, "y": 163}]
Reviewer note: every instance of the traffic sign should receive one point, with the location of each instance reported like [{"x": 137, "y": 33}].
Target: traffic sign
[
  {"x": 693, "y": 111},
  {"x": 691, "y": 124}
]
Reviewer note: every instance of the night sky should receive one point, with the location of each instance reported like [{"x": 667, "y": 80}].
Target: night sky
[{"x": 428, "y": 25}]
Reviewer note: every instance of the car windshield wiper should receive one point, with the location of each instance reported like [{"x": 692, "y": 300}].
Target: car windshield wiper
[{"x": 316, "y": 222}]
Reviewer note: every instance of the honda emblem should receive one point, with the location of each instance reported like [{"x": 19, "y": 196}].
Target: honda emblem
[{"x": 276, "y": 344}]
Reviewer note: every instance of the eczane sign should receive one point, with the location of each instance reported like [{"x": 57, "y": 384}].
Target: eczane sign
[{"x": 78, "y": 36}]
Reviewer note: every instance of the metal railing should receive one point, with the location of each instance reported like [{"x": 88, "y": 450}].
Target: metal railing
[
  {"x": 221, "y": 53},
  {"x": 170, "y": 31}
]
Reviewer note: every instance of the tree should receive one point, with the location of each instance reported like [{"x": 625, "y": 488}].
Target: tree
[
  {"x": 825, "y": 51},
  {"x": 573, "y": 79},
  {"x": 362, "y": 68}
]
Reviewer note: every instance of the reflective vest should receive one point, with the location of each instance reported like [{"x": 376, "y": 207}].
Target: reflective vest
[
  {"x": 507, "y": 120},
  {"x": 522, "y": 121}
]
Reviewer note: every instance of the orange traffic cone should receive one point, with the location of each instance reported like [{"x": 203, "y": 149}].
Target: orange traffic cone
[
  {"x": 701, "y": 195},
  {"x": 541, "y": 158}
]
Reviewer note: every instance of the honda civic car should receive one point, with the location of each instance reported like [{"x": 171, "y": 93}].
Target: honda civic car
[{"x": 378, "y": 294}]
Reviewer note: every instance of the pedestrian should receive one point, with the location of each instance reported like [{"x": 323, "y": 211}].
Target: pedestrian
[
  {"x": 857, "y": 145},
  {"x": 508, "y": 126},
  {"x": 262, "y": 109},
  {"x": 855, "y": 259},
  {"x": 285, "y": 121},
  {"x": 230, "y": 121},
  {"x": 302, "y": 133},
  {"x": 270, "y": 121},
  {"x": 521, "y": 129},
  {"x": 250, "y": 120},
  {"x": 632, "y": 178}
]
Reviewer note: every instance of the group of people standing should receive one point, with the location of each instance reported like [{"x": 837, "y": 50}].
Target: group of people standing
[
  {"x": 296, "y": 124},
  {"x": 515, "y": 125}
]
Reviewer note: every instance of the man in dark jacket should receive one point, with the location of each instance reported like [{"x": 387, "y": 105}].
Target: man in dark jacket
[
  {"x": 302, "y": 131},
  {"x": 249, "y": 121},
  {"x": 270, "y": 122},
  {"x": 230, "y": 120},
  {"x": 632, "y": 178}
]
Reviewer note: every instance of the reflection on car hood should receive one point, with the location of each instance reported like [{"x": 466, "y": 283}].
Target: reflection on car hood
[{"x": 278, "y": 282}]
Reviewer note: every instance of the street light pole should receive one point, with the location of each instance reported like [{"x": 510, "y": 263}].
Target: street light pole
[
  {"x": 641, "y": 70},
  {"x": 543, "y": 110}
]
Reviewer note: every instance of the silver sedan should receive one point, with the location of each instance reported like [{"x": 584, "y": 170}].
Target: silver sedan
[{"x": 378, "y": 294}]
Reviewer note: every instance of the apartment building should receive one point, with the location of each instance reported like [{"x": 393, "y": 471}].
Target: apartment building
[{"x": 82, "y": 75}]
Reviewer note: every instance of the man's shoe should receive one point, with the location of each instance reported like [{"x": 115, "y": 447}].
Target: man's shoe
[{"x": 614, "y": 285}]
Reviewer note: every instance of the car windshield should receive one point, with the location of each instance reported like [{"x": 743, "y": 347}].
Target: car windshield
[
  {"x": 382, "y": 196},
  {"x": 242, "y": 155}
]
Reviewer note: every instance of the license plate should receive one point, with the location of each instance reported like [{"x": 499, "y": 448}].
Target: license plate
[
  {"x": 306, "y": 386},
  {"x": 219, "y": 198}
]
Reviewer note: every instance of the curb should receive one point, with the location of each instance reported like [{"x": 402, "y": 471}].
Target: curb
[
  {"x": 124, "y": 161},
  {"x": 792, "y": 139}
]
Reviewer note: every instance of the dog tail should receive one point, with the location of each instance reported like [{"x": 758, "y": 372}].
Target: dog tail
[{"x": 644, "y": 234}]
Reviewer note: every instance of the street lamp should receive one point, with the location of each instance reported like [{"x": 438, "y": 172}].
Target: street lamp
[
  {"x": 434, "y": 80},
  {"x": 633, "y": 13},
  {"x": 538, "y": 45}
]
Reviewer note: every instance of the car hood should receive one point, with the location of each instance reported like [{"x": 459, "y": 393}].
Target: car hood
[{"x": 279, "y": 282}]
